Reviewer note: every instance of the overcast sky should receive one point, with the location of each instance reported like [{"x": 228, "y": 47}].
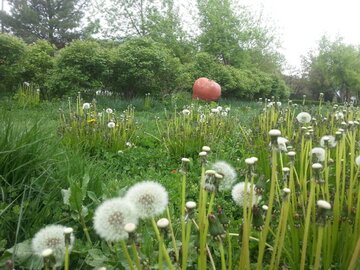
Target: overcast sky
[{"x": 301, "y": 23}]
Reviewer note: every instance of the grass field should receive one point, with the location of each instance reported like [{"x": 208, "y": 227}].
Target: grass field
[{"x": 60, "y": 160}]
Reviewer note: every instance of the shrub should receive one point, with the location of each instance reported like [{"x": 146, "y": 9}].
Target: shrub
[
  {"x": 142, "y": 66},
  {"x": 11, "y": 52},
  {"x": 82, "y": 65},
  {"x": 37, "y": 63}
]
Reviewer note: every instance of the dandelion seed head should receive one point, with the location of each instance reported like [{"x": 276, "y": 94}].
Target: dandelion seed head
[
  {"x": 86, "y": 106},
  {"x": 291, "y": 154},
  {"x": 149, "y": 198},
  {"x": 47, "y": 252},
  {"x": 111, "y": 124},
  {"x": 303, "y": 117},
  {"x": 286, "y": 190},
  {"x": 319, "y": 153},
  {"x": 111, "y": 217},
  {"x": 339, "y": 115},
  {"x": 186, "y": 112},
  {"x": 203, "y": 154},
  {"x": 109, "y": 110},
  {"x": 51, "y": 237},
  {"x": 228, "y": 173},
  {"x": 185, "y": 160},
  {"x": 239, "y": 192},
  {"x": 286, "y": 169},
  {"x": 328, "y": 141},
  {"x": 281, "y": 141},
  {"x": 265, "y": 207},
  {"x": 357, "y": 160}
]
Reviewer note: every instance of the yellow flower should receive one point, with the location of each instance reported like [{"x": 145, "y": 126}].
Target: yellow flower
[{"x": 92, "y": 121}]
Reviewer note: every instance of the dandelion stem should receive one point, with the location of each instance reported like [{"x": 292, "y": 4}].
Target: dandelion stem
[
  {"x": 172, "y": 234},
  {"x": 355, "y": 256},
  {"x": 222, "y": 255},
  {"x": 229, "y": 251},
  {"x": 161, "y": 245},
  {"x": 318, "y": 247},
  {"x": 136, "y": 256},
  {"x": 127, "y": 255},
  {"x": 66, "y": 263}
]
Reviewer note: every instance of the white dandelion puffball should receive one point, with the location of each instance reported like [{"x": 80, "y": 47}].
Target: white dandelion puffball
[
  {"x": 357, "y": 160},
  {"x": 86, "y": 106},
  {"x": 111, "y": 124},
  {"x": 323, "y": 204},
  {"x": 51, "y": 237},
  {"x": 149, "y": 198},
  {"x": 238, "y": 193},
  {"x": 186, "y": 112},
  {"x": 109, "y": 110},
  {"x": 228, "y": 173},
  {"x": 282, "y": 143},
  {"x": 339, "y": 115},
  {"x": 215, "y": 110},
  {"x": 163, "y": 223},
  {"x": 319, "y": 153},
  {"x": 331, "y": 142},
  {"x": 303, "y": 117},
  {"x": 111, "y": 217}
]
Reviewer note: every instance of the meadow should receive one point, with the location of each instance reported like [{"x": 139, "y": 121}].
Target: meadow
[{"x": 99, "y": 182}]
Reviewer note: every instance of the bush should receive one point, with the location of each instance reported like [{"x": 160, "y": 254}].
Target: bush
[
  {"x": 38, "y": 62},
  {"x": 83, "y": 65},
  {"x": 141, "y": 66},
  {"x": 11, "y": 52}
]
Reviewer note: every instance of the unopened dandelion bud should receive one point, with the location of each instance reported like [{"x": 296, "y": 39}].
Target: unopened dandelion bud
[
  {"x": 321, "y": 94},
  {"x": 206, "y": 149},
  {"x": 130, "y": 227},
  {"x": 274, "y": 134},
  {"x": 216, "y": 229},
  {"x": 163, "y": 223},
  {"x": 323, "y": 210},
  {"x": 49, "y": 258},
  {"x": 338, "y": 135},
  {"x": 184, "y": 165},
  {"x": 67, "y": 233},
  {"x": 317, "y": 167},
  {"x": 286, "y": 192}
]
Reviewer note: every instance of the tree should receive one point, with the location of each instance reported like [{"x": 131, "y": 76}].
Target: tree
[
  {"x": 56, "y": 21},
  {"x": 334, "y": 69},
  {"x": 239, "y": 39}
]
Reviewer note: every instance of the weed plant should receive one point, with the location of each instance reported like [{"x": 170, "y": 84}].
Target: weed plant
[{"x": 27, "y": 95}]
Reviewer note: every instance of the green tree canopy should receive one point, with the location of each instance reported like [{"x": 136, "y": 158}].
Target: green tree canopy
[
  {"x": 56, "y": 21},
  {"x": 333, "y": 69}
]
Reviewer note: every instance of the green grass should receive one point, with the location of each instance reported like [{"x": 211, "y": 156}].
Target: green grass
[{"x": 37, "y": 163}]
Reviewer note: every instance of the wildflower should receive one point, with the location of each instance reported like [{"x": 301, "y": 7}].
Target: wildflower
[
  {"x": 186, "y": 112},
  {"x": 224, "y": 113},
  {"x": 227, "y": 109},
  {"x": 239, "y": 194},
  {"x": 265, "y": 207},
  {"x": 51, "y": 237},
  {"x": 86, "y": 106},
  {"x": 274, "y": 133},
  {"x": 129, "y": 144},
  {"x": 90, "y": 121},
  {"x": 303, "y": 117},
  {"x": 323, "y": 209},
  {"x": 219, "y": 108},
  {"x": 108, "y": 110},
  {"x": 228, "y": 173},
  {"x": 149, "y": 198},
  {"x": 27, "y": 84},
  {"x": 111, "y": 217},
  {"x": 328, "y": 141},
  {"x": 318, "y": 153},
  {"x": 215, "y": 110},
  {"x": 111, "y": 124}
]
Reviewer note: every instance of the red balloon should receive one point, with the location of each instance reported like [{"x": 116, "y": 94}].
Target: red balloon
[{"x": 206, "y": 89}]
